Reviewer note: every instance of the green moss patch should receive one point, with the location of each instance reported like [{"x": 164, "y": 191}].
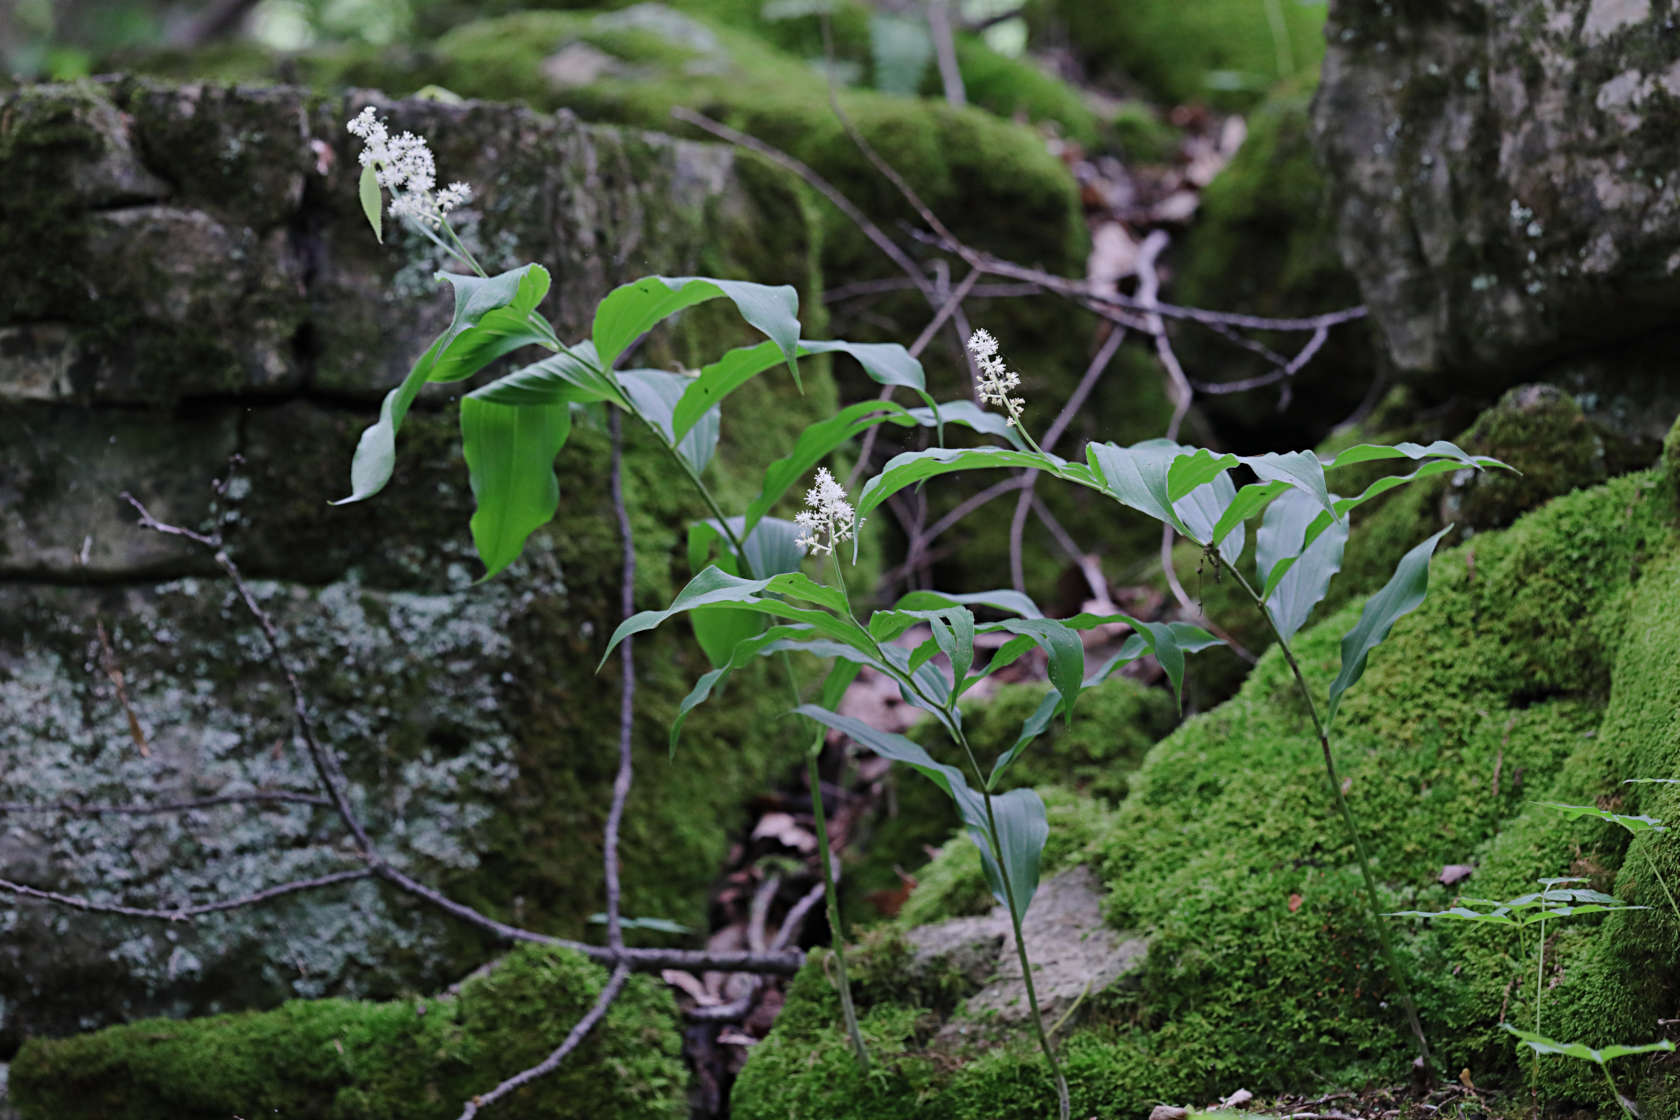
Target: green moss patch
[
  {"x": 1541, "y": 667},
  {"x": 344, "y": 1060}
]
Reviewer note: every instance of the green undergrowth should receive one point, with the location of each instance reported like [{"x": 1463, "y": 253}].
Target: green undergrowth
[
  {"x": 1222, "y": 52},
  {"x": 345, "y": 1060},
  {"x": 1542, "y": 666}
]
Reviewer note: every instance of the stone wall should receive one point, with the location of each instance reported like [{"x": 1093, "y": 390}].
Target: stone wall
[{"x": 190, "y": 281}]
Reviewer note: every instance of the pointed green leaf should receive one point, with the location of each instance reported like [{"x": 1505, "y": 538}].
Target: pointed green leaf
[
  {"x": 1062, "y": 647},
  {"x": 1031, "y": 729},
  {"x": 1195, "y": 467},
  {"x": 1021, "y": 821},
  {"x": 1296, "y": 581},
  {"x": 911, "y": 467},
  {"x": 1540, "y": 1044},
  {"x": 510, "y": 462},
  {"x": 373, "y": 203},
  {"x": 1399, "y": 597},
  {"x": 1635, "y": 825},
  {"x": 569, "y": 376},
  {"x": 376, "y": 451},
  {"x": 1003, "y": 599},
  {"x": 1300, "y": 470},
  {"x": 1137, "y": 476},
  {"x": 1201, "y": 509},
  {"x": 654, "y": 394},
  {"x": 630, "y": 311},
  {"x": 1249, "y": 501},
  {"x": 1370, "y": 452},
  {"x": 886, "y": 363}
]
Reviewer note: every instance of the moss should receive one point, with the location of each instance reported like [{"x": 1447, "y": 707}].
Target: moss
[
  {"x": 1540, "y": 667},
  {"x": 1224, "y": 52},
  {"x": 342, "y": 1059},
  {"x": 1142, "y": 135}
]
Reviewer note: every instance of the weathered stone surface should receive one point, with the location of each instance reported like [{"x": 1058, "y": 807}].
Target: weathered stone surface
[
  {"x": 1074, "y": 955},
  {"x": 1503, "y": 176},
  {"x": 207, "y": 302}
]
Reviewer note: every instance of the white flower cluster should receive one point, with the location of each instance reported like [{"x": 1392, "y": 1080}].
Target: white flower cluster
[
  {"x": 996, "y": 379},
  {"x": 404, "y": 166},
  {"x": 828, "y": 521}
]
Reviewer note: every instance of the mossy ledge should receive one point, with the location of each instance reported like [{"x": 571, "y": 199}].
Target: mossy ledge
[
  {"x": 347, "y": 1060},
  {"x": 1543, "y": 666}
]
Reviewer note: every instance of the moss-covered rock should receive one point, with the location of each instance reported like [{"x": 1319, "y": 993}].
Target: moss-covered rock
[
  {"x": 1224, "y": 52},
  {"x": 469, "y": 717},
  {"x": 1542, "y": 666},
  {"x": 371, "y": 1061}
]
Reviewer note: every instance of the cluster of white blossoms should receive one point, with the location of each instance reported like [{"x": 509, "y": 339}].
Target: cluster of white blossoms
[
  {"x": 996, "y": 379},
  {"x": 828, "y": 521},
  {"x": 404, "y": 166}
]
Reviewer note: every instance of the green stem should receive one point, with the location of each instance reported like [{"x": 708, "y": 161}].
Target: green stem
[
  {"x": 992, "y": 835},
  {"x": 1539, "y": 972},
  {"x": 1372, "y": 901},
  {"x": 837, "y": 939},
  {"x": 1663, "y": 883},
  {"x": 1608, "y": 1080}
]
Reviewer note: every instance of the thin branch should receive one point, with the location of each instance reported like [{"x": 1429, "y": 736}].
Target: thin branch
[
  {"x": 164, "y": 807},
  {"x": 637, "y": 960},
  {"x": 627, "y": 689},
  {"x": 182, "y": 913},
  {"x": 945, "y": 51},
  {"x": 1076, "y": 401},
  {"x": 615, "y": 983},
  {"x": 1149, "y": 288},
  {"x": 736, "y": 1009},
  {"x": 322, "y": 758}
]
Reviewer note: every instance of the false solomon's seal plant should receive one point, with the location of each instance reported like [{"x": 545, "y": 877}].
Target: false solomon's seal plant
[{"x": 753, "y": 599}]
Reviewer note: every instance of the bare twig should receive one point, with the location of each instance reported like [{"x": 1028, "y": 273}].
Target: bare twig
[
  {"x": 1148, "y": 299},
  {"x": 321, "y": 757},
  {"x": 736, "y": 1009},
  {"x": 945, "y": 51},
  {"x": 615, "y": 983},
  {"x": 182, "y": 913},
  {"x": 627, "y": 690},
  {"x": 1076, "y": 401}
]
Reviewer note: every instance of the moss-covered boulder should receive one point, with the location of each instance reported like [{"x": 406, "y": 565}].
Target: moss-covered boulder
[
  {"x": 349, "y": 1060},
  {"x": 1542, "y": 667},
  {"x": 474, "y": 732},
  {"x": 1223, "y": 52}
]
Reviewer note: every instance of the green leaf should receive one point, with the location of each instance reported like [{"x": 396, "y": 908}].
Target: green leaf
[
  {"x": 1370, "y": 452},
  {"x": 1195, "y": 467},
  {"x": 1021, "y": 821},
  {"x": 773, "y": 596},
  {"x": 1300, "y": 470},
  {"x": 1635, "y": 825},
  {"x": 510, "y": 462},
  {"x": 755, "y": 645},
  {"x": 569, "y": 376},
  {"x": 654, "y": 394},
  {"x": 1031, "y": 729},
  {"x": 720, "y": 629},
  {"x": 1137, "y": 477},
  {"x": 1168, "y": 641},
  {"x": 1399, "y": 597},
  {"x": 373, "y": 203},
  {"x": 769, "y": 548},
  {"x": 654, "y": 925},
  {"x": 969, "y": 415},
  {"x": 886, "y": 363},
  {"x": 1295, "y": 581},
  {"x": 1249, "y": 501},
  {"x": 475, "y": 297},
  {"x": 630, "y": 311},
  {"x": 1540, "y": 1044},
  {"x": 1061, "y": 645},
  {"x": 1003, "y": 599},
  {"x": 1201, "y": 509},
  {"x": 911, "y": 467},
  {"x": 494, "y": 315}
]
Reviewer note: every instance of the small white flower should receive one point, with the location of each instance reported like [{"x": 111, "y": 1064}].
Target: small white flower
[
  {"x": 405, "y": 167},
  {"x": 996, "y": 379},
  {"x": 828, "y": 520}
]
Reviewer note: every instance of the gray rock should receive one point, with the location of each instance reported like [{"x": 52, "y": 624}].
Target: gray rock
[
  {"x": 1503, "y": 177},
  {"x": 193, "y": 295},
  {"x": 1074, "y": 953}
]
